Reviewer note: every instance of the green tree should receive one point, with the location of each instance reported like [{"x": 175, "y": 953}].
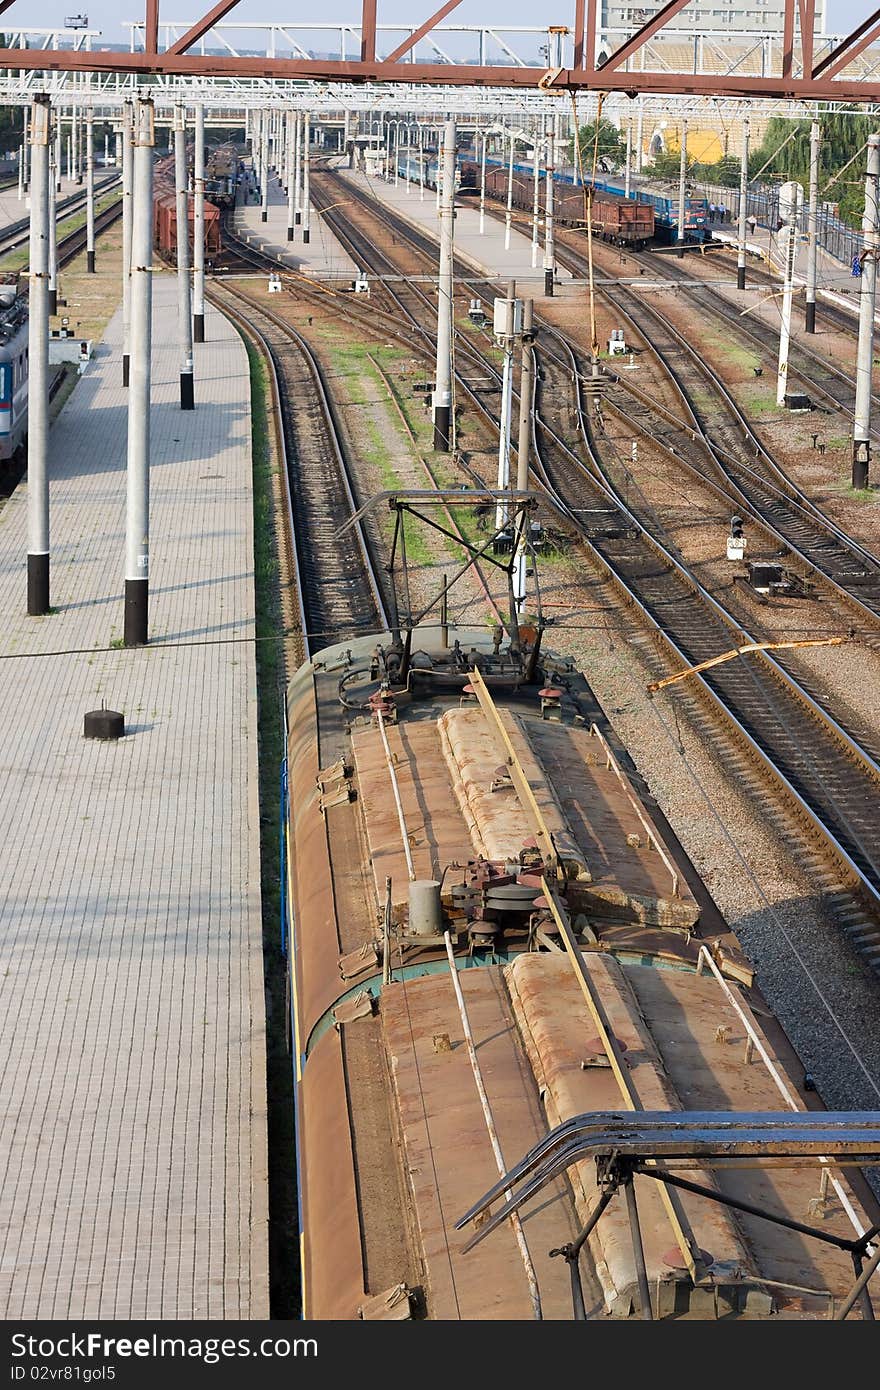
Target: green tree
[
  {"x": 844, "y": 132},
  {"x": 611, "y": 146}
]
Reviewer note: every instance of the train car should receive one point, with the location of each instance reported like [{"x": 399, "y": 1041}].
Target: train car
[
  {"x": 222, "y": 171},
  {"x": 623, "y": 221},
  {"x": 13, "y": 371},
  {"x": 497, "y": 946},
  {"x": 165, "y": 224},
  {"x": 662, "y": 199}
]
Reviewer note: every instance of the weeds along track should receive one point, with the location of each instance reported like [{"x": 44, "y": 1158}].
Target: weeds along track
[{"x": 337, "y": 577}]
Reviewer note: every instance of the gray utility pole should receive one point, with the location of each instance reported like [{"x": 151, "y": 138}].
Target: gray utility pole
[
  {"x": 549, "y": 241},
  {"x": 526, "y": 385},
  {"x": 53, "y": 241},
  {"x": 682, "y": 171},
  {"x": 813, "y": 227},
  {"x": 306, "y": 195},
  {"x": 127, "y": 160},
  {"x": 743, "y": 206},
  {"x": 297, "y": 172},
  {"x": 137, "y": 510},
  {"x": 58, "y": 170},
  {"x": 199, "y": 228},
  {"x": 289, "y": 173},
  {"x": 38, "y": 358},
  {"x": 442, "y": 400},
  {"x": 264, "y": 165},
  {"x": 482, "y": 178},
  {"x": 184, "y": 296},
  {"x": 509, "y": 212},
  {"x": 629, "y": 154},
  {"x": 790, "y": 200},
  {"x": 536, "y": 196},
  {"x": 507, "y": 323},
  {"x": 861, "y": 452},
  {"x": 90, "y": 192}
]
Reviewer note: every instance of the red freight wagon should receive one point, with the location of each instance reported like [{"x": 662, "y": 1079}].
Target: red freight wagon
[{"x": 165, "y": 225}]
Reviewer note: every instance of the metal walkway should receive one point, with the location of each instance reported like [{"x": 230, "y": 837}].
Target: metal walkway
[{"x": 132, "y": 1059}]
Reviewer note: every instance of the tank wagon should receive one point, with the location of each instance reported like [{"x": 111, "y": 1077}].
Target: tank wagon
[
  {"x": 483, "y": 894},
  {"x": 13, "y": 371}
]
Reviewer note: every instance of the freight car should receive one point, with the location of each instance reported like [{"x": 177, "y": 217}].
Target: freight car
[
  {"x": 13, "y": 371},
  {"x": 493, "y": 934},
  {"x": 619, "y": 220},
  {"x": 662, "y": 199},
  {"x": 165, "y": 224}
]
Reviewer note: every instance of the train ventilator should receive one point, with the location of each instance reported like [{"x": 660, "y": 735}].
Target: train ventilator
[{"x": 736, "y": 541}]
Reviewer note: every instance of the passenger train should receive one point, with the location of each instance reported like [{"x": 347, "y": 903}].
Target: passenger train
[{"x": 13, "y": 371}]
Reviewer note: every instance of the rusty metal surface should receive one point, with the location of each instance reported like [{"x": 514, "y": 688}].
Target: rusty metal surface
[
  {"x": 680, "y": 1063},
  {"x": 554, "y": 1020},
  {"x": 702, "y": 1043},
  {"x": 437, "y": 833},
  {"x": 317, "y": 938},
  {"x": 333, "y": 1285},
  {"x": 447, "y": 1149},
  {"x": 626, "y": 873}
]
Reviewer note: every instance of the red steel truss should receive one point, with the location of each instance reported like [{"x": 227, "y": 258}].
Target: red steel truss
[{"x": 830, "y": 79}]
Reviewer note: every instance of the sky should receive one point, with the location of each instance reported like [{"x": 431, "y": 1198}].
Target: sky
[{"x": 107, "y": 15}]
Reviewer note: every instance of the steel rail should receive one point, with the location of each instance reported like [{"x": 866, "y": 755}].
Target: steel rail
[{"x": 331, "y": 433}]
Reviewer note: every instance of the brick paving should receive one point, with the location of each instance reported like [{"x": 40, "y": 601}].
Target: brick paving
[{"x": 132, "y": 1050}]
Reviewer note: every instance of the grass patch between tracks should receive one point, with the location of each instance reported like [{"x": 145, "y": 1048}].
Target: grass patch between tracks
[{"x": 284, "y": 1287}]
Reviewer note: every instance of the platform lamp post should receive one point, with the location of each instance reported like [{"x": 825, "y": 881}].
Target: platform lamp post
[
  {"x": 137, "y": 512},
  {"x": 199, "y": 227},
  {"x": 442, "y": 399},
  {"x": 306, "y": 170},
  {"x": 791, "y": 197},
  {"x": 184, "y": 293},
  {"x": 90, "y": 192},
  {"x": 536, "y": 194},
  {"x": 861, "y": 449},
  {"x": 526, "y": 383},
  {"x": 743, "y": 206},
  {"x": 682, "y": 175},
  {"x": 507, "y": 326},
  {"x": 38, "y": 358},
  {"x": 813, "y": 227},
  {"x": 127, "y": 125},
  {"x": 549, "y": 236},
  {"x": 297, "y": 171}
]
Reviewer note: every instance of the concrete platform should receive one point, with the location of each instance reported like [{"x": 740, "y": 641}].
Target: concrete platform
[
  {"x": 324, "y": 258},
  {"x": 486, "y": 252},
  {"x": 132, "y": 1050}
]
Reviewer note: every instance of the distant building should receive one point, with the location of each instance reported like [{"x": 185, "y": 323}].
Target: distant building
[{"x": 745, "y": 16}]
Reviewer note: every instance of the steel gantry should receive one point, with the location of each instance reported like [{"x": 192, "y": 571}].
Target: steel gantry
[{"x": 795, "y": 62}]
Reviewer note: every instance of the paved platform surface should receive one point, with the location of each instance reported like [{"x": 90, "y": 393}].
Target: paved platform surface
[
  {"x": 132, "y": 1051},
  {"x": 323, "y": 258},
  {"x": 486, "y": 251}
]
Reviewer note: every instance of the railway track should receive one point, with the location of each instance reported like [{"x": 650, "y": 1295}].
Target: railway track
[
  {"x": 18, "y": 234},
  {"x": 829, "y": 780},
  {"x": 338, "y": 582}
]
